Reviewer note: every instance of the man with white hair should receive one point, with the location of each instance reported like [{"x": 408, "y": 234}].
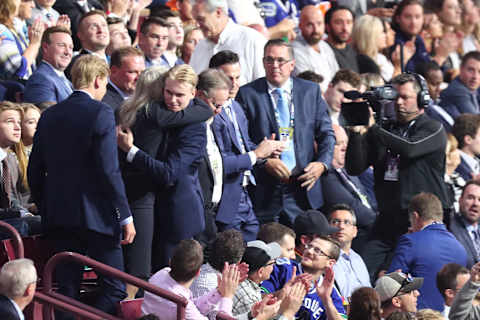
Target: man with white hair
[
  {"x": 221, "y": 33},
  {"x": 18, "y": 281}
]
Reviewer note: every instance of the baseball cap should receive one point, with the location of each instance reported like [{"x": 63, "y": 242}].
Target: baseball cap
[
  {"x": 390, "y": 285},
  {"x": 313, "y": 222},
  {"x": 257, "y": 254}
]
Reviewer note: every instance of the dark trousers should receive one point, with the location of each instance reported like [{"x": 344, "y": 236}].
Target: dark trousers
[
  {"x": 208, "y": 236},
  {"x": 138, "y": 254},
  {"x": 100, "y": 247},
  {"x": 378, "y": 252},
  {"x": 245, "y": 219},
  {"x": 287, "y": 202}
]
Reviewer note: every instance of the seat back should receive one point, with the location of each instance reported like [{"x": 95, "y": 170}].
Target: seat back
[{"x": 131, "y": 309}]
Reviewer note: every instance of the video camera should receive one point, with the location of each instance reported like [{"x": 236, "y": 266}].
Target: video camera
[{"x": 357, "y": 114}]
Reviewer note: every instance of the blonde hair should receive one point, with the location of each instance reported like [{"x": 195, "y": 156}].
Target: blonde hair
[
  {"x": 183, "y": 73},
  {"x": 18, "y": 148},
  {"x": 149, "y": 88},
  {"x": 7, "y": 12},
  {"x": 452, "y": 143},
  {"x": 86, "y": 68},
  {"x": 429, "y": 314},
  {"x": 365, "y": 35}
]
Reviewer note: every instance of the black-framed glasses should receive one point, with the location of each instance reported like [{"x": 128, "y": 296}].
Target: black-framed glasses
[
  {"x": 406, "y": 281},
  {"x": 270, "y": 263},
  {"x": 317, "y": 251},
  {"x": 272, "y": 60}
]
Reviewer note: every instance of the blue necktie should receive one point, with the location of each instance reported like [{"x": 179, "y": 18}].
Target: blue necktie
[
  {"x": 238, "y": 134},
  {"x": 287, "y": 156}
]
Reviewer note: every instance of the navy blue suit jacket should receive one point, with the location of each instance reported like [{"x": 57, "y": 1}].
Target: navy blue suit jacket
[
  {"x": 312, "y": 124},
  {"x": 423, "y": 254},
  {"x": 73, "y": 171},
  {"x": 181, "y": 205},
  {"x": 457, "y": 99},
  {"x": 459, "y": 229},
  {"x": 434, "y": 114},
  {"x": 7, "y": 309},
  {"x": 45, "y": 85},
  {"x": 464, "y": 170},
  {"x": 337, "y": 190},
  {"x": 234, "y": 162}
]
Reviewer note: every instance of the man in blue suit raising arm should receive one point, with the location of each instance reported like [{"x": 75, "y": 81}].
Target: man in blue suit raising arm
[
  {"x": 76, "y": 183},
  {"x": 295, "y": 111},
  {"x": 48, "y": 83}
]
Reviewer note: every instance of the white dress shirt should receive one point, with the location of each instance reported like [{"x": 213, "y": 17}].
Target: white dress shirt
[
  {"x": 307, "y": 58},
  {"x": 244, "y": 41}
]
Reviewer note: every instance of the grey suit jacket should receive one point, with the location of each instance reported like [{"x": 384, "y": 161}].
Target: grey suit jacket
[{"x": 459, "y": 230}]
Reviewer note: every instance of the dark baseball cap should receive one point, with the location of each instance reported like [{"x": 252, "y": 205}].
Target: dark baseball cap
[{"x": 313, "y": 222}]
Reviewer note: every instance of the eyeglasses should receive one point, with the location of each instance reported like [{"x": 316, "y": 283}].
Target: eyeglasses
[
  {"x": 270, "y": 263},
  {"x": 406, "y": 281},
  {"x": 336, "y": 222},
  {"x": 271, "y": 60},
  {"x": 317, "y": 251}
]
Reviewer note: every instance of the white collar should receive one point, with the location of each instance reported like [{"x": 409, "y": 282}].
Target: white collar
[
  {"x": 471, "y": 161},
  {"x": 86, "y": 92},
  {"x": 287, "y": 86},
  {"x": 230, "y": 28},
  {"x": 3, "y": 154},
  {"x": 58, "y": 72}
]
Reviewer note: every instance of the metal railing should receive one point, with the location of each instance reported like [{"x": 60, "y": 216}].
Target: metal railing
[
  {"x": 16, "y": 238},
  {"x": 106, "y": 270},
  {"x": 224, "y": 316}
]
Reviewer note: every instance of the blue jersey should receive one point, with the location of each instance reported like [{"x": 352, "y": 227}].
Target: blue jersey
[
  {"x": 312, "y": 308},
  {"x": 277, "y": 10}
]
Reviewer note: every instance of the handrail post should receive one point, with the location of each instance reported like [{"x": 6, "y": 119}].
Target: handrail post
[
  {"x": 16, "y": 238},
  {"x": 107, "y": 270}
]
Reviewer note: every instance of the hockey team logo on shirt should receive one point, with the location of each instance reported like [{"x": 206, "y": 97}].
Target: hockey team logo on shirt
[{"x": 313, "y": 306}]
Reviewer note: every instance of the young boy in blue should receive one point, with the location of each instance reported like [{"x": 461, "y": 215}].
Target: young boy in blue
[{"x": 322, "y": 300}]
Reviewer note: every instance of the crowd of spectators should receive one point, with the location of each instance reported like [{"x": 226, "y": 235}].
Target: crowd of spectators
[{"x": 208, "y": 146}]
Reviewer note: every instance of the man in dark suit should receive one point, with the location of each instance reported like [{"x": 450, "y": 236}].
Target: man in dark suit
[
  {"x": 18, "y": 280},
  {"x": 93, "y": 35},
  {"x": 340, "y": 187},
  {"x": 464, "y": 225},
  {"x": 467, "y": 132},
  {"x": 179, "y": 212},
  {"x": 234, "y": 209},
  {"x": 461, "y": 95},
  {"x": 76, "y": 183},
  {"x": 75, "y": 10},
  {"x": 48, "y": 83},
  {"x": 126, "y": 65},
  {"x": 294, "y": 110},
  {"x": 425, "y": 251}
]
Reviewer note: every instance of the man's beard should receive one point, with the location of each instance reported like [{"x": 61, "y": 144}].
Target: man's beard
[{"x": 313, "y": 39}]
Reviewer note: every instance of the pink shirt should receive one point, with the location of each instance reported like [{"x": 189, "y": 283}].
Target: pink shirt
[{"x": 196, "y": 308}]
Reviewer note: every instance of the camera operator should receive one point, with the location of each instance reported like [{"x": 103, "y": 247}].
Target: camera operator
[{"x": 408, "y": 157}]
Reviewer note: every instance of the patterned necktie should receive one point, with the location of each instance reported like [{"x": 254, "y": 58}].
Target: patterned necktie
[
  {"x": 238, "y": 134},
  {"x": 6, "y": 184},
  {"x": 287, "y": 156}
]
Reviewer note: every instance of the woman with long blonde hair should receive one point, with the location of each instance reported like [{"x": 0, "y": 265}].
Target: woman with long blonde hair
[{"x": 369, "y": 38}]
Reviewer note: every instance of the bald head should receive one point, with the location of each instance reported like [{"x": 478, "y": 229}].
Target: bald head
[
  {"x": 312, "y": 24},
  {"x": 341, "y": 143}
]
